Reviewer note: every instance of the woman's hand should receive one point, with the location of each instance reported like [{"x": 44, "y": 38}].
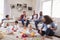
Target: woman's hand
[
  {"x": 53, "y": 28},
  {"x": 40, "y": 32}
]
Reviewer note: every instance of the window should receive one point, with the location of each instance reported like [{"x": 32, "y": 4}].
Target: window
[
  {"x": 47, "y": 8},
  {"x": 1, "y": 9},
  {"x": 56, "y": 8}
]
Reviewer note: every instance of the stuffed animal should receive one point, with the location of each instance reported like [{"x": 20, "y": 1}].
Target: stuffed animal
[{"x": 2, "y": 35}]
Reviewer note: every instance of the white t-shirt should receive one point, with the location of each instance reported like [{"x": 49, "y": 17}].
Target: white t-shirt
[
  {"x": 35, "y": 17},
  {"x": 9, "y": 29},
  {"x": 48, "y": 26},
  {"x": 16, "y": 27}
]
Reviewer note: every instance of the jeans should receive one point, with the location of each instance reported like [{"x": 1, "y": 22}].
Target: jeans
[
  {"x": 27, "y": 22},
  {"x": 49, "y": 32},
  {"x": 36, "y": 24}
]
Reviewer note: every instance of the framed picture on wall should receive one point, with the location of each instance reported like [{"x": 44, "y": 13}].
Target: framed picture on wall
[
  {"x": 12, "y": 6},
  {"x": 19, "y": 5},
  {"x": 24, "y": 5},
  {"x": 30, "y": 8}
]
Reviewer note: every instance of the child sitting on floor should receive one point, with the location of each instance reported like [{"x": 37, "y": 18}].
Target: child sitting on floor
[
  {"x": 15, "y": 26},
  {"x": 9, "y": 29},
  {"x": 25, "y": 29},
  {"x": 32, "y": 31}
]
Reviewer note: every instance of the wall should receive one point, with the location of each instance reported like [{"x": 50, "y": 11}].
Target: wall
[
  {"x": 14, "y": 12},
  {"x": 36, "y": 4},
  {"x": 6, "y": 7}
]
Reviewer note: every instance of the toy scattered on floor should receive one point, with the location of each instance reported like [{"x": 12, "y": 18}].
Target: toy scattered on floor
[
  {"x": 2, "y": 35},
  {"x": 32, "y": 34}
]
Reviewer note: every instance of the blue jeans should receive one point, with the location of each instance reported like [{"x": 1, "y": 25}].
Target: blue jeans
[
  {"x": 36, "y": 24},
  {"x": 49, "y": 32},
  {"x": 27, "y": 22}
]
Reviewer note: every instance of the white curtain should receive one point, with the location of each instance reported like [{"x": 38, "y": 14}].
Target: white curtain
[
  {"x": 56, "y": 8},
  {"x": 1, "y": 9},
  {"x": 47, "y": 8}
]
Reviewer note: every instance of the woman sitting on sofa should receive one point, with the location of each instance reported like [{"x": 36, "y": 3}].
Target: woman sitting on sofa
[{"x": 23, "y": 19}]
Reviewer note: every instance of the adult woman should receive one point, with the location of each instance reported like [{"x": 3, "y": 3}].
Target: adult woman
[
  {"x": 23, "y": 18},
  {"x": 48, "y": 27},
  {"x": 35, "y": 18}
]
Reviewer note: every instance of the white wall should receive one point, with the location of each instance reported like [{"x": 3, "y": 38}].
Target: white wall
[
  {"x": 36, "y": 4},
  {"x": 6, "y": 7},
  {"x": 14, "y": 12}
]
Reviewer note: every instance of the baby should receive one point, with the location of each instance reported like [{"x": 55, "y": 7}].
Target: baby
[
  {"x": 16, "y": 26},
  {"x": 9, "y": 29}
]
